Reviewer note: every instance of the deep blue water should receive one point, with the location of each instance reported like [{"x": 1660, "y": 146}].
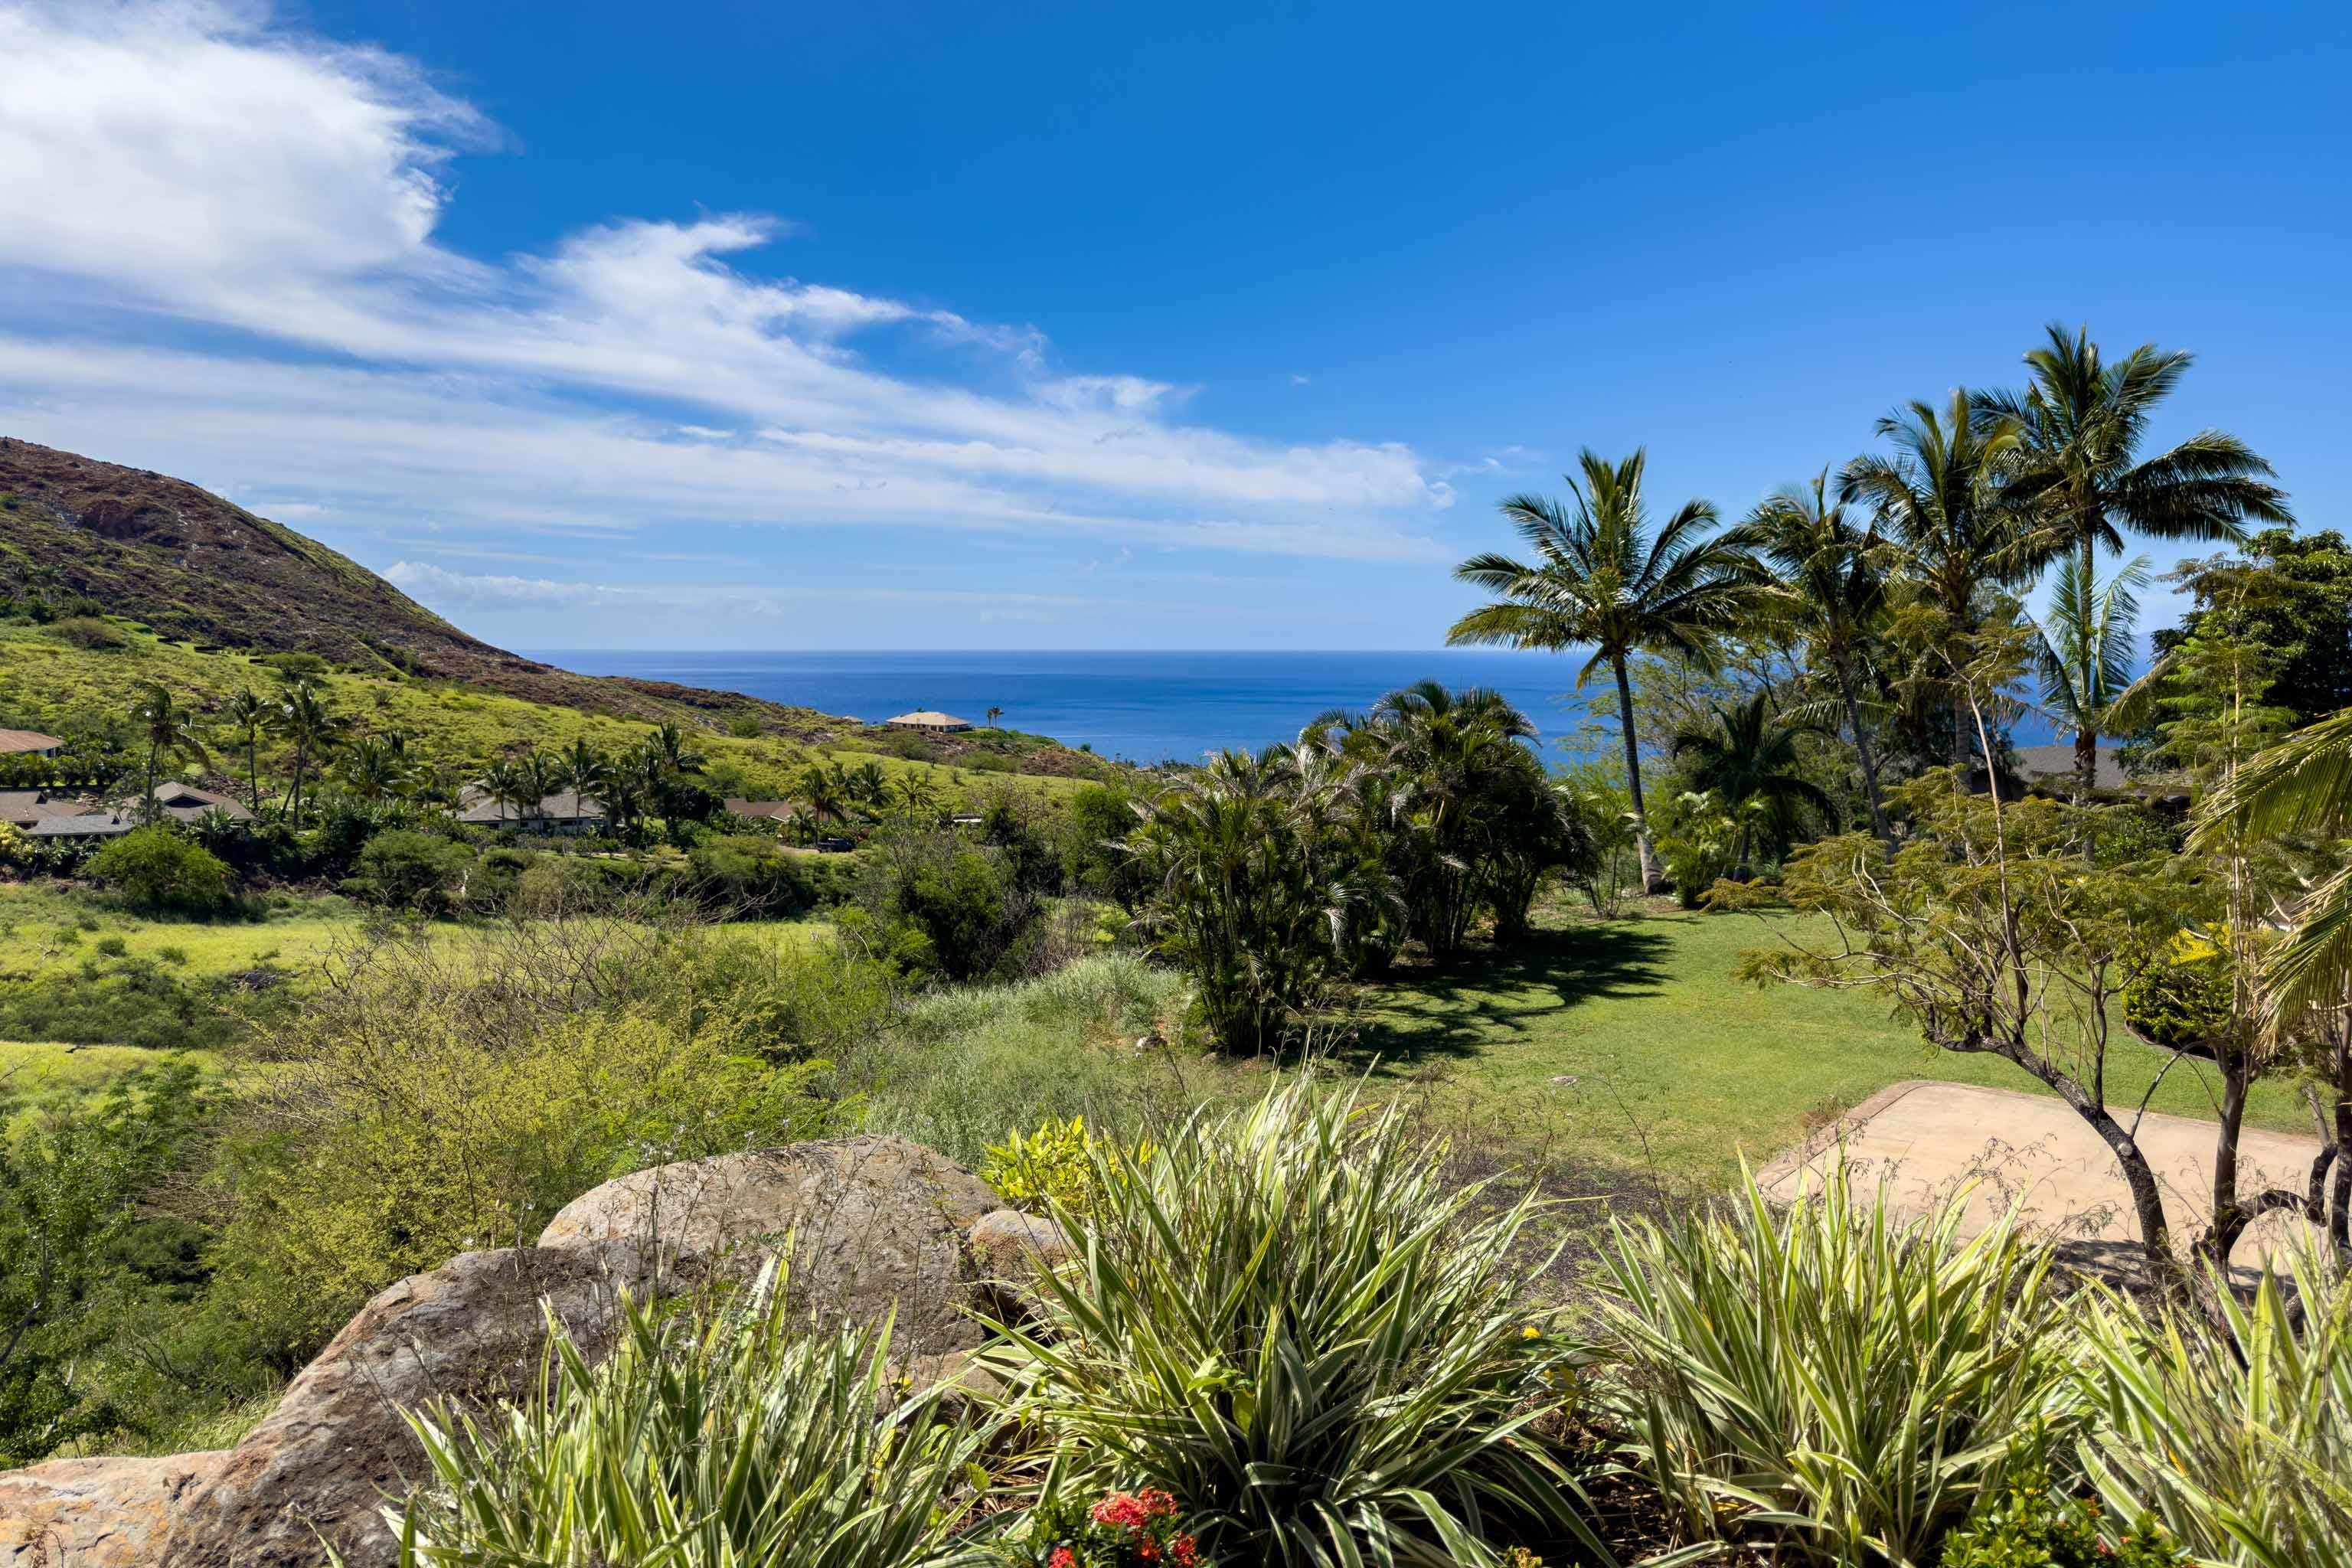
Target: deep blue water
[{"x": 1145, "y": 707}]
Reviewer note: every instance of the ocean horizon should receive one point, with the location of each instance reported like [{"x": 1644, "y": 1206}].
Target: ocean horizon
[{"x": 1143, "y": 707}]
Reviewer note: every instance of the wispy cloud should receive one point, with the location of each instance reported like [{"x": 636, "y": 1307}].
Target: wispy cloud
[{"x": 252, "y": 214}]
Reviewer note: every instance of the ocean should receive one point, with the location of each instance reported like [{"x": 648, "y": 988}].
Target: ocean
[{"x": 1143, "y": 707}]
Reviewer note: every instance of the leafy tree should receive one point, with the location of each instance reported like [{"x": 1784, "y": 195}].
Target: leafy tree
[
  {"x": 1095, "y": 825},
  {"x": 1747, "y": 758},
  {"x": 377, "y": 767},
  {"x": 166, "y": 729},
  {"x": 1938, "y": 499},
  {"x": 2287, "y": 593},
  {"x": 410, "y": 870},
  {"x": 1828, "y": 589},
  {"x": 509, "y": 785},
  {"x": 156, "y": 869},
  {"x": 947, "y": 907},
  {"x": 1600, "y": 578},
  {"x": 587, "y": 772},
  {"x": 72, "y": 1183},
  {"x": 2075, "y": 470}
]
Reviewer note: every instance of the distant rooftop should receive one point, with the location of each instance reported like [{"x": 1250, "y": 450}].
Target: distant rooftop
[
  {"x": 14, "y": 742},
  {"x": 2055, "y": 763},
  {"x": 929, "y": 718}
]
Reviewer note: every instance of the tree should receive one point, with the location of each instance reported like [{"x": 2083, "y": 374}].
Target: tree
[
  {"x": 1600, "y": 578},
  {"x": 156, "y": 869},
  {"x": 2301, "y": 785},
  {"x": 315, "y": 729},
  {"x": 2291, "y": 594},
  {"x": 1828, "y": 588},
  {"x": 509, "y": 784},
  {"x": 377, "y": 767},
  {"x": 1748, "y": 759},
  {"x": 992, "y": 715},
  {"x": 249, "y": 714},
  {"x": 167, "y": 729},
  {"x": 678, "y": 759},
  {"x": 2074, "y": 468},
  {"x": 2084, "y": 649},
  {"x": 1939, "y": 497},
  {"x": 586, "y": 771}
]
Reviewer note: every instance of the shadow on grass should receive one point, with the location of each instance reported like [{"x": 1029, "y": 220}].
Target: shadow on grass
[{"x": 1458, "y": 1012}]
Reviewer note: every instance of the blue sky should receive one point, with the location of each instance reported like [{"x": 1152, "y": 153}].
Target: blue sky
[{"x": 1085, "y": 326}]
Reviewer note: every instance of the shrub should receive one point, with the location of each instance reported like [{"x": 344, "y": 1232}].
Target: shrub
[
  {"x": 2029, "y": 1523},
  {"x": 1054, "y": 1166},
  {"x": 2239, "y": 1438},
  {"x": 156, "y": 869},
  {"x": 943, "y": 907},
  {"x": 1827, "y": 1378},
  {"x": 732, "y": 1437},
  {"x": 1290, "y": 1320},
  {"x": 412, "y": 870},
  {"x": 88, "y": 633},
  {"x": 15, "y": 848}
]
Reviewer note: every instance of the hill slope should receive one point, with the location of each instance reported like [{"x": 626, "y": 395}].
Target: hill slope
[{"x": 198, "y": 569}]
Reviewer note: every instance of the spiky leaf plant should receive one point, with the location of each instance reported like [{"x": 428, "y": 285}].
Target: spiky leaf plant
[
  {"x": 729, "y": 1438},
  {"x": 1292, "y": 1321},
  {"x": 1826, "y": 1377},
  {"x": 2238, "y": 1435}
]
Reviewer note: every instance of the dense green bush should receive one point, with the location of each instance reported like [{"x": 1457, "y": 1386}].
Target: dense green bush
[
  {"x": 157, "y": 868},
  {"x": 411, "y": 870},
  {"x": 1827, "y": 1378},
  {"x": 732, "y": 1437},
  {"x": 748, "y": 875},
  {"x": 1290, "y": 1319},
  {"x": 941, "y": 906},
  {"x": 2031, "y": 1523},
  {"x": 2237, "y": 1437}
]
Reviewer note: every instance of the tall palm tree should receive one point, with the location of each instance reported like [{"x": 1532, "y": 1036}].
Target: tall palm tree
[
  {"x": 677, "y": 758},
  {"x": 168, "y": 730},
  {"x": 1600, "y": 578},
  {"x": 870, "y": 784},
  {"x": 1748, "y": 759},
  {"x": 916, "y": 798},
  {"x": 315, "y": 729},
  {"x": 1828, "y": 587},
  {"x": 586, "y": 770},
  {"x": 2084, "y": 648},
  {"x": 1939, "y": 499},
  {"x": 249, "y": 714},
  {"x": 2077, "y": 469},
  {"x": 509, "y": 784},
  {"x": 992, "y": 715},
  {"x": 823, "y": 795}
]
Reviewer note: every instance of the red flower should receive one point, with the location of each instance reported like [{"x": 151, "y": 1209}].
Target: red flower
[
  {"x": 1149, "y": 1551},
  {"x": 1062, "y": 1557},
  {"x": 1188, "y": 1551}
]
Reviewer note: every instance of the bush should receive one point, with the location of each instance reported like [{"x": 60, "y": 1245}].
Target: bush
[
  {"x": 2237, "y": 1439},
  {"x": 88, "y": 633},
  {"x": 156, "y": 869},
  {"x": 2031, "y": 1524},
  {"x": 1828, "y": 1379},
  {"x": 1289, "y": 1318},
  {"x": 1054, "y": 1167},
  {"x": 750, "y": 876},
  {"x": 732, "y": 1437},
  {"x": 411, "y": 870},
  {"x": 940, "y": 906}
]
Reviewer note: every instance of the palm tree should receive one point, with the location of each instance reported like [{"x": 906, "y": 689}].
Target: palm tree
[
  {"x": 2076, "y": 469},
  {"x": 1830, "y": 589},
  {"x": 870, "y": 784},
  {"x": 992, "y": 715},
  {"x": 1748, "y": 759},
  {"x": 917, "y": 799},
  {"x": 168, "y": 729},
  {"x": 2084, "y": 648},
  {"x": 249, "y": 714},
  {"x": 1939, "y": 499},
  {"x": 677, "y": 758},
  {"x": 821, "y": 794},
  {"x": 508, "y": 782},
  {"x": 1600, "y": 578},
  {"x": 377, "y": 767},
  {"x": 586, "y": 770},
  {"x": 315, "y": 730}
]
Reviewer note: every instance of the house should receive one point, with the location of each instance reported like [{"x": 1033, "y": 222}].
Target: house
[
  {"x": 773, "y": 810},
  {"x": 186, "y": 802},
  {"x": 28, "y": 744},
  {"x": 89, "y": 825},
  {"x": 2054, "y": 767},
  {"x": 930, "y": 722},
  {"x": 26, "y": 809},
  {"x": 566, "y": 812}
]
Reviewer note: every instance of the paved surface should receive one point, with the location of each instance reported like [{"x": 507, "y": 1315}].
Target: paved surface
[{"x": 1927, "y": 1139}]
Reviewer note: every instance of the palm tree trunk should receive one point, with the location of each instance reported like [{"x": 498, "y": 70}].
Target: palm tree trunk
[
  {"x": 147, "y": 805},
  {"x": 253, "y": 770},
  {"x": 1652, "y": 882},
  {"x": 1862, "y": 748},
  {"x": 2086, "y": 765}
]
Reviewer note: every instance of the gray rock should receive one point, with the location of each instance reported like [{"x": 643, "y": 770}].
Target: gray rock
[
  {"x": 95, "y": 1513},
  {"x": 875, "y": 1223},
  {"x": 1010, "y": 1245}
]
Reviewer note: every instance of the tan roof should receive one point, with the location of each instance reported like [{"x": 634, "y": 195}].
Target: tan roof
[
  {"x": 781, "y": 810},
  {"x": 13, "y": 740},
  {"x": 186, "y": 802},
  {"x": 565, "y": 806},
  {"x": 931, "y": 718},
  {"x": 25, "y": 807}
]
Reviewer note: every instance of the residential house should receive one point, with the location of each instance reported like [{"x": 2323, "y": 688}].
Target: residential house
[
  {"x": 567, "y": 812},
  {"x": 26, "y": 809},
  {"x": 930, "y": 722},
  {"x": 186, "y": 802},
  {"x": 28, "y": 744}
]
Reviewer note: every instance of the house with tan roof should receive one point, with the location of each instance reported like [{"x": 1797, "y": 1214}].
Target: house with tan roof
[
  {"x": 28, "y": 744},
  {"x": 929, "y": 720}
]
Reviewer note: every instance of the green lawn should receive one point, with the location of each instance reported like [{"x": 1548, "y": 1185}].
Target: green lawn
[
  {"x": 1677, "y": 1066},
  {"x": 46, "y": 935}
]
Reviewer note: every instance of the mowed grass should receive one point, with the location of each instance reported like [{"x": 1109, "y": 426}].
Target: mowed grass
[{"x": 1632, "y": 1041}]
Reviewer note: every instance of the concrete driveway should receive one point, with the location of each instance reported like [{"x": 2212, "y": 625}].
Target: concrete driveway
[{"x": 1925, "y": 1139}]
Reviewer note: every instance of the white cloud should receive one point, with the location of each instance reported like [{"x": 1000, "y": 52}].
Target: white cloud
[{"x": 203, "y": 166}]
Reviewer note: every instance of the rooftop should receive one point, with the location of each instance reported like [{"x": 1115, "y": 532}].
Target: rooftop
[
  {"x": 565, "y": 806},
  {"x": 2056, "y": 763},
  {"x": 931, "y": 718},
  {"x": 15, "y": 740}
]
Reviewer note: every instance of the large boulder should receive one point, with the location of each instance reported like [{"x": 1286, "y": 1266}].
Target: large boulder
[
  {"x": 320, "y": 1468},
  {"x": 875, "y": 1223},
  {"x": 95, "y": 1513}
]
